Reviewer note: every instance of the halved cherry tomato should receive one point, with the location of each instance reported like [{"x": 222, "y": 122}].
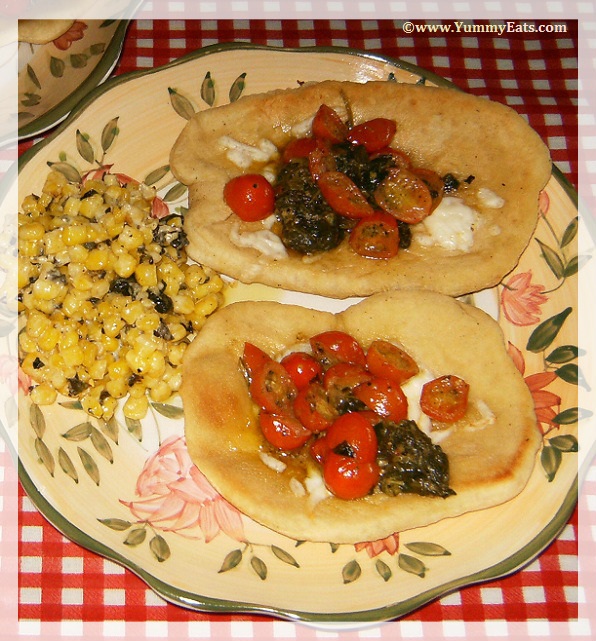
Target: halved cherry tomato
[
  {"x": 404, "y": 195},
  {"x": 386, "y": 360},
  {"x": 302, "y": 367},
  {"x": 312, "y": 408},
  {"x": 401, "y": 160},
  {"x": 349, "y": 478},
  {"x": 343, "y": 195},
  {"x": 282, "y": 431},
  {"x": 434, "y": 182},
  {"x": 253, "y": 359},
  {"x": 319, "y": 449},
  {"x": 327, "y": 125},
  {"x": 385, "y": 398},
  {"x": 250, "y": 196},
  {"x": 339, "y": 381},
  {"x": 376, "y": 236},
  {"x": 298, "y": 148},
  {"x": 272, "y": 388},
  {"x": 445, "y": 399},
  {"x": 354, "y": 436},
  {"x": 334, "y": 346},
  {"x": 320, "y": 161},
  {"x": 373, "y": 134}
]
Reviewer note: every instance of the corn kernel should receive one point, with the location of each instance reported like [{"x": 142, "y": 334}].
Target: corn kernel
[
  {"x": 43, "y": 394},
  {"x": 146, "y": 275},
  {"x": 136, "y": 408}
]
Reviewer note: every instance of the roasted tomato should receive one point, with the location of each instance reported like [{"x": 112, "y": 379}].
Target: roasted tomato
[
  {"x": 349, "y": 478},
  {"x": 339, "y": 381},
  {"x": 353, "y": 435},
  {"x": 320, "y": 161},
  {"x": 343, "y": 195},
  {"x": 383, "y": 397},
  {"x": 250, "y": 196},
  {"x": 272, "y": 388},
  {"x": 405, "y": 196},
  {"x": 386, "y": 360},
  {"x": 373, "y": 134},
  {"x": 400, "y": 158},
  {"x": 434, "y": 182},
  {"x": 376, "y": 236},
  {"x": 445, "y": 399},
  {"x": 283, "y": 431},
  {"x": 327, "y": 125},
  {"x": 335, "y": 346},
  {"x": 302, "y": 367},
  {"x": 298, "y": 148},
  {"x": 253, "y": 359},
  {"x": 313, "y": 409}
]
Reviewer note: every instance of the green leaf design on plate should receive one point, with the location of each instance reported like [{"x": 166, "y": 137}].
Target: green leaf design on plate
[
  {"x": 97, "y": 48},
  {"x": 45, "y": 456},
  {"x": 208, "y": 89},
  {"x": 84, "y": 147},
  {"x": 284, "y": 556},
  {"x": 160, "y": 548},
  {"x": 182, "y": 105},
  {"x": 89, "y": 465},
  {"x": 427, "y": 549},
  {"x": 78, "y": 60},
  {"x": 550, "y": 458},
  {"x": 547, "y": 331},
  {"x": 71, "y": 405},
  {"x": 156, "y": 175},
  {"x": 175, "y": 192},
  {"x": 571, "y": 415},
  {"x": 135, "y": 427},
  {"x": 100, "y": 443},
  {"x": 412, "y": 565},
  {"x": 563, "y": 354},
  {"x": 572, "y": 267},
  {"x": 564, "y": 443},
  {"x": 79, "y": 432},
  {"x": 569, "y": 373},
  {"x": 33, "y": 76},
  {"x": 237, "y": 87},
  {"x": 169, "y": 411},
  {"x": 71, "y": 173},
  {"x": 31, "y": 99},
  {"x": 67, "y": 465},
  {"x": 570, "y": 232},
  {"x": 57, "y": 67},
  {"x": 109, "y": 133},
  {"x": 110, "y": 427},
  {"x": 135, "y": 537},
  {"x": 383, "y": 569},
  {"x": 37, "y": 420},
  {"x": 232, "y": 559},
  {"x": 258, "y": 565},
  {"x": 553, "y": 260},
  {"x": 351, "y": 572},
  {"x": 119, "y": 525}
]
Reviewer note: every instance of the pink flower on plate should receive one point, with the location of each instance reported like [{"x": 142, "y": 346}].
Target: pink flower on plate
[
  {"x": 543, "y": 203},
  {"x": 521, "y": 300},
  {"x": 374, "y": 548},
  {"x": 174, "y": 496},
  {"x": 545, "y": 401},
  {"x": 76, "y": 32}
]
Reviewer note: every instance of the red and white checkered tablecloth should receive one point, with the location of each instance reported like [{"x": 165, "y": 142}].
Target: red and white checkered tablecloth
[{"x": 534, "y": 73}]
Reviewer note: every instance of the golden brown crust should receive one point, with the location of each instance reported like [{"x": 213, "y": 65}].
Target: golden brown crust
[
  {"x": 488, "y": 465},
  {"x": 442, "y": 129}
]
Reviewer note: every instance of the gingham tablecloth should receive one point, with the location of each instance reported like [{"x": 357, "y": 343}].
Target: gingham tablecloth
[{"x": 534, "y": 73}]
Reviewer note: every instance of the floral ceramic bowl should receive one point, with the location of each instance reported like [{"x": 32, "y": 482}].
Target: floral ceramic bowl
[{"x": 128, "y": 489}]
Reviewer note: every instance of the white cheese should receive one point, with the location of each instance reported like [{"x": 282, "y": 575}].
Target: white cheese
[
  {"x": 489, "y": 199},
  {"x": 244, "y": 155},
  {"x": 264, "y": 241},
  {"x": 271, "y": 462},
  {"x": 303, "y": 128},
  {"x": 412, "y": 388},
  {"x": 315, "y": 485},
  {"x": 297, "y": 488},
  {"x": 451, "y": 226}
]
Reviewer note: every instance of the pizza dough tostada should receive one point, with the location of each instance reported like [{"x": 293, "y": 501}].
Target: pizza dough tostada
[
  {"x": 441, "y": 129},
  {"x": 490, "y": 461}
]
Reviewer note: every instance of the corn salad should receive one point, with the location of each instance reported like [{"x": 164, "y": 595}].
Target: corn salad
[{"x": 107, "y": 300}]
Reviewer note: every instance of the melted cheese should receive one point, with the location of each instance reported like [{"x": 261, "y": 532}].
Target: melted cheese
[
  {"x": 243, "y": 155},
  {"x": 489, "y": 199},
  {"x": 264, "y": 241},
  {"x": 450, "y": 226}
]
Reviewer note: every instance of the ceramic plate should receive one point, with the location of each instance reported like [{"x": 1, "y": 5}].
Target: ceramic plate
[
  {"x": 53, "y": 77},
  {"x": 101, "y": 486}
]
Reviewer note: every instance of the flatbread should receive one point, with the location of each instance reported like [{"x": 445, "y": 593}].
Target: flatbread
[
  {"x": 440, "y": 128},
  {"x": 42, "y": 31},
  {"x": 488, "y": 465}
]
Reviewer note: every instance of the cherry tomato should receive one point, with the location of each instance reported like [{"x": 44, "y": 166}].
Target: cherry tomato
[
  {"x": 373, "y": 134},
  {"x": 320, "y": 161},
  {"x": 445, "y": 399},
  {"x": 339, "y": 381},
  {"x": 352, "y": 435},
  {"x": 250, "y": 196},
  {"x": 385, "y": 398},
  {"x": 312, "y": 408},
  {"x": 272, "y": 388},
  {"x": 327, "y": 125},
  {"x": 343, "y": 195},
  {"x": 401, "y": 160},
  {"x": 298, "y": 148},
  {"x": 319, "y": 449},
  {"x": 282, "y": 431},
  {"x": 349, "y": 478},
  {"x": 389, "y": 361},
  {"x": 302, "y": 367},
  {"x": 253, "y": 359},
  {"x": 404, "y": 195},
  {"x": 334, "y": 346},
  {"x": 434, "y": 182},
  {"x": 375, "y": 237}
]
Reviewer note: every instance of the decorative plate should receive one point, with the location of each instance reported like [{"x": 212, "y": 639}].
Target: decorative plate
[
  {"x": 53, "y": 77},
  {"x": 125, "y": 491}
]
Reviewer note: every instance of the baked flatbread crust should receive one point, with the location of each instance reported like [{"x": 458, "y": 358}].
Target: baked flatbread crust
[
  {"x": 440, "y": 128},
  {"x": 488, "y": 465},
  {"x": 40, "y": 32}
]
